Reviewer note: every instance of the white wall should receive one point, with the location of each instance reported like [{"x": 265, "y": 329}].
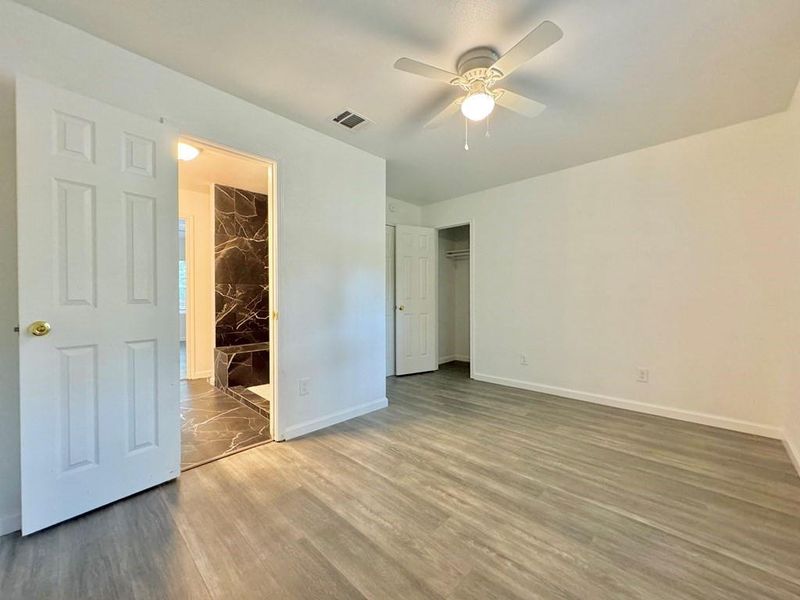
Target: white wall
[
  {"x": 195, "y": 207},
  {"x": 399, "y": 212},
  {"x": 681, "y": 258},
  {"x": 330, "y": 242}
]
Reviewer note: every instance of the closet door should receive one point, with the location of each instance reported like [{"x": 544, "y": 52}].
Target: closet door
[{"x": 415, "y": 300}]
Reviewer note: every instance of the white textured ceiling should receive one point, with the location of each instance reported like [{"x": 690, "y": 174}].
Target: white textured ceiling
[{"x": 627, "y": 74}]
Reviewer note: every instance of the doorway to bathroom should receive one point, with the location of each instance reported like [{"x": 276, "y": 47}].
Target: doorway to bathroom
[{"x": 226, "y": 213}]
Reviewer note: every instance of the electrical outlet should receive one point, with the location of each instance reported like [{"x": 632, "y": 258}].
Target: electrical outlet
[
  {"x": 643, "y": 375},
  {"x": 523, "y": 359},
  {"x": 303, "y": 386}
]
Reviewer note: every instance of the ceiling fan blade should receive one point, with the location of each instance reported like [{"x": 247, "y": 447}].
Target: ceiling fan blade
[
  {"x": 410, "y": 65},
  {"x": 448, "y": 112},
  {"x": 538, "y": 40},
  {"x": 519, "y": 104}
]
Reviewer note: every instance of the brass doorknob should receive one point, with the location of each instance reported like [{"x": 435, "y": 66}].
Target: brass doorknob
[{"x": 39, "y": 328}]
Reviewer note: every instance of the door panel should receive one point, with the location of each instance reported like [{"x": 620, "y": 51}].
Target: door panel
[
  {"x": 415, "y": 300},
  {"x": 97, "y": 223}
]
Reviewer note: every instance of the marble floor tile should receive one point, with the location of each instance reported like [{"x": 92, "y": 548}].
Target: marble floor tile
[
  {"x": 214, "y": 425},
  {"x": 260, "y": 395}
]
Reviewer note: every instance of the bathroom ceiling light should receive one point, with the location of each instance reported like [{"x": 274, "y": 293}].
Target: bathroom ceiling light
[{"x": 187, "y": 151}]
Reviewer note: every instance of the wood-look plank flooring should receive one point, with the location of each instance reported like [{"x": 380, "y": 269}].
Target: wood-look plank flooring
[{"x": 459, "y": 490}]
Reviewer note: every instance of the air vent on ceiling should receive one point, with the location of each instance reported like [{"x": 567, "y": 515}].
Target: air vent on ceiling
[{"x": 350, "y": 120}]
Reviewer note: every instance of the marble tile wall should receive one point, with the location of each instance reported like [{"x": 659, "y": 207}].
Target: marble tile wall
[{"x": 241, "y": 272}]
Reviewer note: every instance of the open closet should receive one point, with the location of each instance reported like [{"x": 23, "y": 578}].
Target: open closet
[{"x": 453, "y": 294}]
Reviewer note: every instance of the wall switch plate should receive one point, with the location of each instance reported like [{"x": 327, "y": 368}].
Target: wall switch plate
[
  {"x": 643, "y": 375},
  {"x": 303, "y": 386},
  {"x": 523, "y": 359}
]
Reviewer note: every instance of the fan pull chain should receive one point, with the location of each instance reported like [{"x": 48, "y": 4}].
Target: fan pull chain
[
  {"x": 487, "y": 127},
  {"x": 466, "y": 134}
]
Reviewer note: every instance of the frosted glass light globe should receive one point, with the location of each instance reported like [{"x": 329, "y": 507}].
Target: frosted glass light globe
[
  {"x": 187, "y": 151},
  {"x": 477, "y": 106}
]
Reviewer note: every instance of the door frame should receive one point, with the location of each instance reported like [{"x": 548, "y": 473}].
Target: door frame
[
  {"x": 273, "y": 275},
  {"x": 391, "y": 276},
  {"x": 190, "y": 315},
  {"x": 471, "y": 224}
]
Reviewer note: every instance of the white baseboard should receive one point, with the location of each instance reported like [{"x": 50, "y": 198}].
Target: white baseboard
[
  {"x": 793, "y": 452},
  {"x": 10, "y": 523},
  {"x": 200, "y": 375},
  {"x": 641, "y": 407},
  {"x": 452, "y": 357},
  {"x": 294, "y": 431}
]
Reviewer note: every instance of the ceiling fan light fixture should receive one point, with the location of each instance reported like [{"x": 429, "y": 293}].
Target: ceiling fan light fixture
[{"x": 477, "y": 106}]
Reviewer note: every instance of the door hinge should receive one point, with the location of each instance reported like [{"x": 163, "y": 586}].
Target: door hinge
[{"x": 274, "y": 315}]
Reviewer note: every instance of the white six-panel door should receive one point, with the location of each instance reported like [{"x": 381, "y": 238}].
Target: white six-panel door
[
  {"x": 415, "y": 300},
  {"x": 97, "y": 231}
]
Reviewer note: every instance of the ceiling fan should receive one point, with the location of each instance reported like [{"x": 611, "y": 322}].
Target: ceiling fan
[{"x": 480, "y": 69}]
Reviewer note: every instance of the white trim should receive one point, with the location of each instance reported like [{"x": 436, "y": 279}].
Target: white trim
[
  {"x": 452, "y": 357},
  {"x": 473, "y": 253},
  {"x": 211, "y": 293},
  {"x": 641, "y": 407},
  {"x": 275, "y": 270},
  {"x": 390, "y": 297},
  {"x": 792, "y": 451},
  {"x": 202, "y": 374},
  {"x": 189, "y": 314},
  {"x": 10, "y": 523},
  {"x": 294, "y": 431}
]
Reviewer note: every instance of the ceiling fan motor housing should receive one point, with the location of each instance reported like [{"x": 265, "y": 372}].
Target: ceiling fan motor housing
[{"x": 474, "y": 63}]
